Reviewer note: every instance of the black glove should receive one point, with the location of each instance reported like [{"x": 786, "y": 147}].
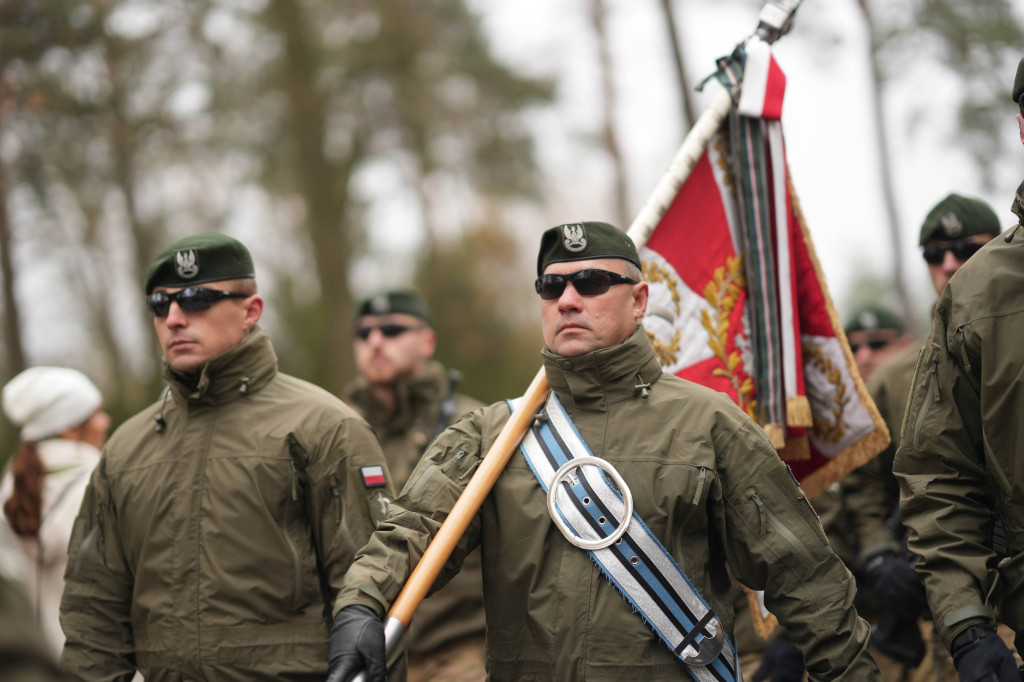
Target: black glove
[
  {"x": 357, "y": 644},
  {"x": 897, "y": 585},
  {"x": 898, "y": 638},
  {"x": 981, "y": 656},
  {"x": 781, "y": 662}
]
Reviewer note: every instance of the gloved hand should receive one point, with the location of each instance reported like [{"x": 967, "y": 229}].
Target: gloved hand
[
  {"x": 357, "y": 644},
  {"x": 981, "y": 656},
  {"x": 895, "y": 582},
  {"x": 781, "y": 662}
]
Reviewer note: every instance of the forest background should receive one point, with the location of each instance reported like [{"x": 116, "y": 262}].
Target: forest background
[{"x": 369, "y": 144}]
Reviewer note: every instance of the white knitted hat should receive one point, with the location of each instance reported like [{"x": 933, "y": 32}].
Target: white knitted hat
[{"x": 43, "y": 401}]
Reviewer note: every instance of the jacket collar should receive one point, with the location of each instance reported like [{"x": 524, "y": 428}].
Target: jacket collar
[
  {"x": 414, "y": 396},
  {"x": 246, "y": 368},
  {"x": 608, "y": 375}
]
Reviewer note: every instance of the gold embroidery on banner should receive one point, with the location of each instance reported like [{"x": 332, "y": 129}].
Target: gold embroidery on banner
[
  {"x": 667, "y": 353},
  {"x": 722, "y": 292},
  {"x": 828, "y": 430}
]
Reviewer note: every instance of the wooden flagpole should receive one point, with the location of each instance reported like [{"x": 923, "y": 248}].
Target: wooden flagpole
[{"x": 774, "y": 21}]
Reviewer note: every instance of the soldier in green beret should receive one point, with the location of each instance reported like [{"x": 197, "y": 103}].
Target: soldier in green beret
[
  {"x": 960, "y": 463},
  {"x": 875, "y": 334},
  {"x": 408, "y": 398},
  {"x": 220, "y": 521},
  {"x": 702, "y": 476}
]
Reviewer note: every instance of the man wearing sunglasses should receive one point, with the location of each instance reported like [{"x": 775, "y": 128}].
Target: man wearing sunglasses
[
  {"x": 409, "y": 399},
  {"x": 702, "y": 476},
  {"x": 960, "y": 464},
  {"x": 220, "y": 520},
  {"x": 875, "y": 334}
]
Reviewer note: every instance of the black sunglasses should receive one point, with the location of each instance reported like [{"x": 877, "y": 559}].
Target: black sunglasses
[
  {"x": 589, "y": 282},
  {"x": 962, "y": 249},
  {"x": 873, "y": 344},
  {"x": 389, "y": 331},
  {"x": 190, "y": 300}
]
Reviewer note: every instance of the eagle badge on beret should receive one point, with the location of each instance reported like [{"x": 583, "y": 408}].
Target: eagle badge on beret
[
  {"x": 951, "y": 224},
  {"x": 186, "y": 265},
  {"x": 575, "y": 240}
]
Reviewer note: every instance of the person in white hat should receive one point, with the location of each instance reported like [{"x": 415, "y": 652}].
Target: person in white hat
[{"x": 59, "y": 412}]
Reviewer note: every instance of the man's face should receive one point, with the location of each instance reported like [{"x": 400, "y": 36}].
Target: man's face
[
  {"x": 396, "y": 346},
  {"x": 873, "y": 347},
  {"x": 189, "y": 340},
  {"x": 574, "y": 324},
  {"x": 942, "y": 272}
]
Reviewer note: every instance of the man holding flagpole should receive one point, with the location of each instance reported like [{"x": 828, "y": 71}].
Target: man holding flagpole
[{"x": 608, "y": 538}]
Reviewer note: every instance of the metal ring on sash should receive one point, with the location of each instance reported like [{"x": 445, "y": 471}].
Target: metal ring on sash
[{"x": 627, "y": 499}]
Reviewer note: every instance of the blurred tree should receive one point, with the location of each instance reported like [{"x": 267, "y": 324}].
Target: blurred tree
[
  {"x": 484, "y": 310},
  {"x": 979, "y": 44},
  {"x": 342, "y": 90}
]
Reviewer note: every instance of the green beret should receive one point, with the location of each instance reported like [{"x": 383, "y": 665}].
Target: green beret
[
  {"x": 958, "y": 216},
  {"x": 872, "y": 318},
  {"x": 394, "y": 302},
  {"x": 1018, "y": 83},
  {"x": 199, "y": 259},
  {"x": 584, "y": 241}
]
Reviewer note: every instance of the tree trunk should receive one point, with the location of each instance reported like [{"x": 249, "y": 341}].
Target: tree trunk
[
  {"x": 689, "y": 115},
  {"x": 611, "y": 141},
  {"x": 13, "y": 353},
  {"x": 319, "y": 187},
  {"x": 885, "y": 174}
]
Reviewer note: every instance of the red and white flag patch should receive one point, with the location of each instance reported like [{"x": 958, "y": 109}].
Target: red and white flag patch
[{"x": 373, "y": 477}]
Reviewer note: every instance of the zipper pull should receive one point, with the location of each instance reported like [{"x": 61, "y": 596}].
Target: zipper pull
[
  {"x": 963, "y": 349},
  {"x": 295, "y": 489}
]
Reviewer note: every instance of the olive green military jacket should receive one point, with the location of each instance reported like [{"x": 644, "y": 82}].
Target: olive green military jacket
[
  {"x": 871, "y": 495},
  {"x": 960, "y": 460},
  {"x": 207, "y": 539},
  {"x": 457, "y": 610},
  {"x": 704, "y": 478}
]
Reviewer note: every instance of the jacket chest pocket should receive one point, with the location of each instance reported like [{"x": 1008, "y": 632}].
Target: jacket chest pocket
[{"x": 672, "y": 500}]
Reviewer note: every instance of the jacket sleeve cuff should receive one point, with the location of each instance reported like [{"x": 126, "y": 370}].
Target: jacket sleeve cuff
[{"x": 963, "y": 618}]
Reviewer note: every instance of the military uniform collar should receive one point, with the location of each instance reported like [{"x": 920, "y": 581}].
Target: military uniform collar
[
  {"x": 607, "y": 375},
  {"x": 413, "y": 396},
  {"x": 245, "y": 368},
  {"x": 1018, "y": 204}
]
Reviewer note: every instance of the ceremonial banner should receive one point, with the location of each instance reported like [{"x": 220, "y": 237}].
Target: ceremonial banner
[{"x": 738, "y": 302}]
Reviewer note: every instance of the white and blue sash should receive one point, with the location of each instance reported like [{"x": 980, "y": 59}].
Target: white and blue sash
[{"x": 589, "y": 509}]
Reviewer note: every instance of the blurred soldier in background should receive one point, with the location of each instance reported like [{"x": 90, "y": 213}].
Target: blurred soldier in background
[
  {"x": 960, "y": 463},
  {"x": 875, "y": 334},
  {"x": 409, "y": 399},
  {"x": 954, "y": 229},
  {"x": 219, "y": 521}
]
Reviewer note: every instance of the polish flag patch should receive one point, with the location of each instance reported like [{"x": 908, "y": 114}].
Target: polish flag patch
[
  {"x": 764, "y": 84},
  {"x": 373, "y": 477}
]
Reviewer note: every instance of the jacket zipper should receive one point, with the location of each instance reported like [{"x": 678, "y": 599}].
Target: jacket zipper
[
  {"x": 336, "y": 492},
  {"x": 700, "y": 485},
  {"x": 963, "y": 349},
  {"x": 767, "y": 515},
  {"x": 296, "y": 565},
  {"x": 925, "y": 403}
]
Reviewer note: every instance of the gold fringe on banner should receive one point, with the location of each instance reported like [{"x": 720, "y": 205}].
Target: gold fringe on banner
[
  {"x": 796, "y": 450},
  {"x": 798, "y": 412},
  {"x": 763, "y": 626},
  {"x": 776, "y": 434}
]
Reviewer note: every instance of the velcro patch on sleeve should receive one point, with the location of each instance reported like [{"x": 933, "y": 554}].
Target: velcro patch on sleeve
[{"x": 373, "y": 477}]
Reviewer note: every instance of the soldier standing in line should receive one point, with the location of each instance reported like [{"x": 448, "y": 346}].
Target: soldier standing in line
[
  {"x": 959, "y": 463},
  {"x": 704, "y": 478},
  {"x": 954, "y": 229},
  {"x": 409, "y": 399},
  {"x": 220, "y": 521}
]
